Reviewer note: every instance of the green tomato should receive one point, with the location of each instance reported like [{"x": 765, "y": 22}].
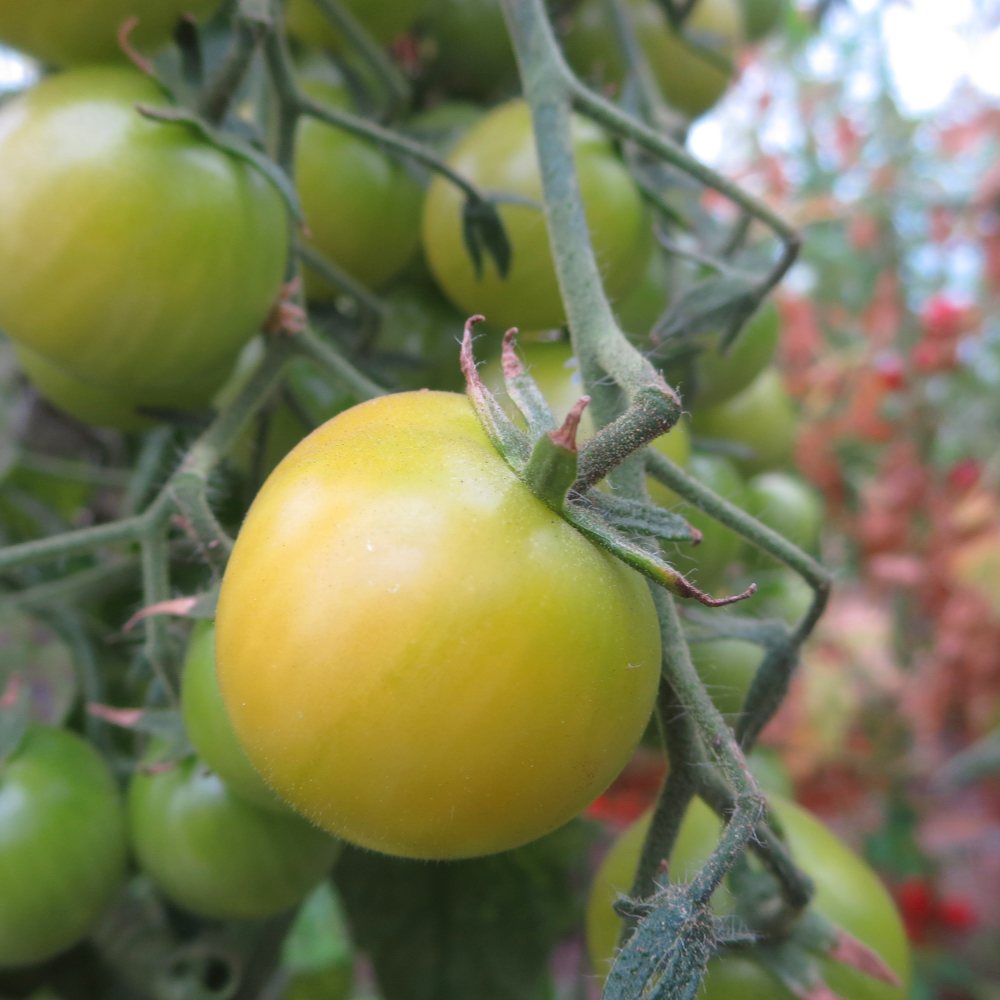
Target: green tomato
[
  {"x": 781, "y": 594},
  {"x": 473, "y": 56},
  {"x": 761, "y": 17},
  {"x": 790, "y": 506},
  {"x": 719, "y": 378},
  {"x": 639, "y": 310},
  {"x": 135, "y": 255},
  {"x": 209, "y": 727},
  {"x": 418, "y": 342},
  {"x": 761, "y": 419},
  {"x": 70, "y": 32},
  {"x": 384, "y": 20},
  {"x": 848, "y": 893},
  {"x": 693, "y": 66},
  {"x": 727, "y": 667},
  {"x": 361, "y": 206},
  {"x": 89, "y": 403},
  {"x": 62, "y": 844},
  {"x": 720, "y": 546},
  {"x": 498, "y": 155},
  {"x": 216, "y": 854},
  {"x": 415, "y": 651}
]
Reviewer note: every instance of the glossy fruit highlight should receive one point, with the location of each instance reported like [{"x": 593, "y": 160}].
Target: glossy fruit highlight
[
  {"x": 217, "y": 855},
  {"x": 417, "y": 653},
  {"x": 135, "y": 255},
  {"x": 62, "y": 844},
  {"x": 498, "y": 155},
  {"x": 848, "y": 892}
]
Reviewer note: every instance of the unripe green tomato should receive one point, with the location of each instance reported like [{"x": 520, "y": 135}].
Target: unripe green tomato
[
  {"x": 693, "y": 66},
  {"x": 216, "y": 854},
  {"x": 442, "y": 126},
  {"x": 719, "y": 378},
  {"x": 90, "y": 403},
  {"x": 552, "y": 365},
  {"x": 209, "y": 727},
  {"x": 384, "y": 20},
  {"x": 727, "y": 667},
  {"x": 761, "y": 418},
  {"x": 62, "y": 844},
  {"x": 71, "y": 32},
  {"x": 848, "y": 893},
  {"x": 415, "y": 651},
  {"x": 790, "y": 506},
  {"x": 418, "y": 342},
  {"x": 473, "y": 56},
  {"x": 498, "y": 155},
  {"x": 361, "y": 206},
  {"x": 133, "y": 252},
  {"x": 639, "y": 310},
  {"x": 720, "y": 546},
  {"x": 761, "y": 17},
  {"x": 781, "y": 594}
]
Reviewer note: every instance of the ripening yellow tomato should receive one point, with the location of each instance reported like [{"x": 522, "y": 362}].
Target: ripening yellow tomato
[{"x": 418, "y": 654}]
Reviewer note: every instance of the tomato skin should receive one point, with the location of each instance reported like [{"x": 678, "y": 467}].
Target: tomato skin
[
  {"x": 727, "y": 667},
  {"x": 720, "y": 546},
  {"x": 761, "y": 17},
  {"x": 89, "y": 403},
  {"x": 361, "y": 206},
  {"x": 63, "y": 33},
  {"x": 848, "y": 892},
  {"x": 209, "y": 727},
  {"x": 517, "y": 675},
  {"x": 498, "y": 155},
  {"x": 217, "y": 855},
  {"x": 720, "y": 378},
  {"x": 473, "y": 57},
  {"x": 689, "y": 81},
  {"x": 383, "y": 19},
  {"x": 135, "y": 255},
  {"x": 62, "y": 844},
  {"x": 790, "y": 506},
  {"x": 645, "y": 303},
  {"x": 761, "y": 418}
]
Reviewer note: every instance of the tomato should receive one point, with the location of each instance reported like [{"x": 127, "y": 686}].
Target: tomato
[
  {"x": 848, "y": 892},
  {"x": 361, "y": 206},
  {"x": 781, "y": 594},
  {"x": 216, "y": 854},
  {"x": 719, "y": 545},
  {"x": 473, "y": 56},
  {"x": 787, "y": 504},
  {"x": 383, "y": 19},
  {"x": 720, "y": 378},
  {"x": 418, "y": 342},
  {"x": 498, "y": 155},
  {"x": 65, "y": 33},
  {"x": 642, "y": 307},
  {"x": 135, "y": 256},
  {"x": 692, "y": 67},
  {"x": 209, "y": 727},
  {"x": 90, "y": 403},
  {"x": 418, "y": 654},
  {"x": 727, "y": 667},
  {"x": 761, "y": 418},
  {"x": 761, "y": 17},
  {"x": 62, "y": 844}
]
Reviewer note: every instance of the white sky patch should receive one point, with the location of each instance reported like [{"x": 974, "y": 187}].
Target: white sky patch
[{"x": 15, "y": 71}]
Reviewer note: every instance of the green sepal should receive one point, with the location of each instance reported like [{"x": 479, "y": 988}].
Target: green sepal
[
  {"x": 524, "y": 392},
  {"x": 234, "y": 145},
  {"x": 165, "y": 725},
  {"x": 638, "y": 518},
  {"x": 551, "y": 472},
  {"x": 483, "y": 227}
]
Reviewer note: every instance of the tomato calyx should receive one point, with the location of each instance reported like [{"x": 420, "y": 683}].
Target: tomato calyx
[
  {"x": 542, "y": 460},
  {"x": 788, "y": 941}
]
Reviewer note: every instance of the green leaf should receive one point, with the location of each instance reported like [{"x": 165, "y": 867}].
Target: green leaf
[
  {"x": 481, "y": 928},
  {"x": 707, "y": 307},
  {"x": 482, "y": 227},
  {"x": 319, "y": 937},
  {"x": 233, "y": 144},
  {"x": 637, "y": 518}
]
